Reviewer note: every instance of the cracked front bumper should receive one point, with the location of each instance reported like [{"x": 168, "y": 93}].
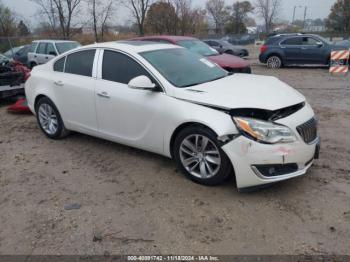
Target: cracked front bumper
[{"x": 245, "y": 154}]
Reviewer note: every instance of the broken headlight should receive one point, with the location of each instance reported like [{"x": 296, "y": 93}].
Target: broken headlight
[{"x": 263, "y": 131}]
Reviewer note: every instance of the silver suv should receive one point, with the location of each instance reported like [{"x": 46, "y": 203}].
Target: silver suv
[{"x": 42, "y": 51}]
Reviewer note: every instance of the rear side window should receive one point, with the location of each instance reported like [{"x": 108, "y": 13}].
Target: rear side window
[
  {"x": 33, "y": 47},
  {"x": 59, "y": 65},
  {"x": 292, "y": 41},
  {"x": 120, "y": 68},
  {"x": 80, "y": 63},
  {"x": 41, "y": 48}
]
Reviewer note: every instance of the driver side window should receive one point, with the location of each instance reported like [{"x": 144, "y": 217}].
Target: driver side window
[{"x": 120, "y": 68}]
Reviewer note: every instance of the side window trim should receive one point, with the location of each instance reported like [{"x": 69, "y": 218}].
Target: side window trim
[{"x": 100, "y": 64}]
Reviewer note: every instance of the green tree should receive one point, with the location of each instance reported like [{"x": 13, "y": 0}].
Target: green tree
[
  {"x": 339, "y": 18},
  {"x": 239, "y": 13},
  {"x": 7, "y": 21}
]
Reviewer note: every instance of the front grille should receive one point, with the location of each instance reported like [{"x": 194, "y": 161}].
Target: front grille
[{"x": 308, "y": 130}]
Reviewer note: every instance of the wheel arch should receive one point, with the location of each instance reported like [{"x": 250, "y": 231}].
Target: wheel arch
[
  {"x": 182, "y": 127},
  {"x": 278, "y": 54}
]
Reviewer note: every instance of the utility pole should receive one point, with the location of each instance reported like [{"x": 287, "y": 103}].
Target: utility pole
[
  {"x": 295, "y": 7},
  {"x": 305, "y": 11}
]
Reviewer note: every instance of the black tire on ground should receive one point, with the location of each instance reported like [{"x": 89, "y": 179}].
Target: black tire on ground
[
  {"x": 274, "y": 62},
  {"x": 32, "y": 65},
  {"x": 224, "y": 171},
  {"x": 61, "y": 130}
]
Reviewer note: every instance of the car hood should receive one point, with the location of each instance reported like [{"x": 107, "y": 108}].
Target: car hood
[
  {"x": 242, "y": 91},
  {"x": 228, "y": 61}
]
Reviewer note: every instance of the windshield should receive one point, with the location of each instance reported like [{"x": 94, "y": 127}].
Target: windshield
[
  {"x": 198, "y": 46},
  {"x": 183, "y": 68},
  {"x": 325, "y": 40},
  {"x": 66, "y": 46},
  {"x": 12, "y": 51}
]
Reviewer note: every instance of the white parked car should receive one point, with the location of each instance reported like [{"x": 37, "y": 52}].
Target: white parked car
[
  {"x": 42, "y": 51},
  {"x": 168, "y": 100}
]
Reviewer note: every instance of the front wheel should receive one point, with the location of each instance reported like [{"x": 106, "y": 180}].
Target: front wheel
[
  {"x": 198, "y": 155},
  {"x": 274, "y": 62}
]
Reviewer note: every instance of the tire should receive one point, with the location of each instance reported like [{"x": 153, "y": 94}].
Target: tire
[
  {"x": 32, "y": 65},
  {"x": 274, "y": 62},
  {"x": 207, "y": 166},
  {"x": 229, "y": 52},
  {"x": 49, "y": 119}
]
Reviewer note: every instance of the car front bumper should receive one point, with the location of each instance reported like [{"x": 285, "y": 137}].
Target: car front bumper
[
  {"x": 246, "y": 154},
  {"x": 252, "y": 160}
]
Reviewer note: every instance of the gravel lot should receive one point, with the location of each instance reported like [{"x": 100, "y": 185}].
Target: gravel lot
[{"x": 134, "y": 202}]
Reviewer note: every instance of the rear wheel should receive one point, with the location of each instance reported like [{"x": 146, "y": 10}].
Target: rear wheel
[
  {"x": 274, "y": 62},
  {"x": 49, "y": 119},
  {"x": 199, "y": 156}
]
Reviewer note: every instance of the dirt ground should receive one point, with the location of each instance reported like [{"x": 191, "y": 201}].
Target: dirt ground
[{"x": 134, "y": 202}]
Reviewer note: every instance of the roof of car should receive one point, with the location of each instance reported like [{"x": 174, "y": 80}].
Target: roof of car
[
  {"x": 165, "y": 37},
  {"x": 134, "y": 46},
  {"x": 53, "y": 41}
]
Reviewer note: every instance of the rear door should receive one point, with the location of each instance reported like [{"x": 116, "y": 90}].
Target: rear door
[
  {"x": 292, "y": 49},
  {"x": 74, "y": 84}
]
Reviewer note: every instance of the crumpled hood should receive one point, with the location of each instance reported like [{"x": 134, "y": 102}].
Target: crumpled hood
[{"x": 242, "y": 91}]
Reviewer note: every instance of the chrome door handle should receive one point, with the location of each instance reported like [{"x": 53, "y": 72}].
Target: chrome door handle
[
  {"x": 103, "y": 94},
  {"x": 58, "y": 83}
]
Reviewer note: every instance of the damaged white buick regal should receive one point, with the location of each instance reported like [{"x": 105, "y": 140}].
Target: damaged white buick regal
[{"x": 167, "y": 100}]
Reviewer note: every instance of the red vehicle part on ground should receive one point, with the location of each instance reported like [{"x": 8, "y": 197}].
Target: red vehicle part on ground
[
  {"x": 232, "y": 64},
  {"x": 20, "y": 107}
]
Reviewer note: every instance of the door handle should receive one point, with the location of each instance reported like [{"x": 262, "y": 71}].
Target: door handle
[
  {"x": 35, "y": 56},
  {"x": 46, "y": 57},
  {"x": 103, "y": 94},
  {"x": 58, "y": 83}
]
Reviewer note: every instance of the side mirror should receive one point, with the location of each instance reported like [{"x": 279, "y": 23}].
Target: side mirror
[
  {"x": 220, "y": 46},
  {"x": 53, "y": 53},
  {"x": 142, "y": 82},
  {"x": 319, "y": 44}
]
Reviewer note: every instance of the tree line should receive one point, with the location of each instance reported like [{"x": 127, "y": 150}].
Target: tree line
[{"x": 179, "y": 17}]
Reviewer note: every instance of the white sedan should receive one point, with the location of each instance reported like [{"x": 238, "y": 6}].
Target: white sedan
[{"x": 167, "y": 100}]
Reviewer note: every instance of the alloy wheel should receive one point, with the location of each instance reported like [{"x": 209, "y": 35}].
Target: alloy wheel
[
  {"x": 48, "y": 119},
  {"x": 200, "y": 156},
  {"x": 274, "y": 62}
]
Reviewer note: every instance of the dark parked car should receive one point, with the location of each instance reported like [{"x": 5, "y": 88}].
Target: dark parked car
[
  {"x": 230, "y": 63},
  {"x": 227, "y": 48},
  {"x": 19, "y": 53},
  {"x": 297, "y": 49},
  {"x": 245, "y": 39}
]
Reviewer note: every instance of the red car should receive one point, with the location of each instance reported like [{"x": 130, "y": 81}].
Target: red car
[{"x": 230, "y": 63}]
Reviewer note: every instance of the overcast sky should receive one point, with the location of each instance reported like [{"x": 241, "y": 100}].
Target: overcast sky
[{"x": 316, "y": 9}]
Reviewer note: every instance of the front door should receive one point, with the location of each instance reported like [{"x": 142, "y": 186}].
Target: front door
[
  {"x": 311, "y": 51},
  {"x": 127, "y": 115}
]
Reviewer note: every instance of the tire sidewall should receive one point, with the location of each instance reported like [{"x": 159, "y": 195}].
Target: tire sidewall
[
  {"x": 60, "y": 126},
  {"x": 225, "y": 168},
  {"x": 274, "y": 56}
]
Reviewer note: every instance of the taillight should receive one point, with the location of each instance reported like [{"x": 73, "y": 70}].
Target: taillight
[{"x": 263, "y": 48}]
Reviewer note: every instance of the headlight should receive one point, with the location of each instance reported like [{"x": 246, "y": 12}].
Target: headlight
[{"x": 263, "y": 131}]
